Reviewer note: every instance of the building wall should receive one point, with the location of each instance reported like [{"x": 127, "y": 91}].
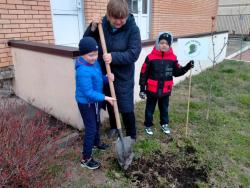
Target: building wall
[
  {"x": 232, "y": 7},
  {"x": 24, "y": 19},
  {"x": 182, "y": 17},
  {"x": 179, "y": 16},
  {"x": 234, "y": 16},
  {"x": 94, "y": 7},
  {"x": 31, "y": 19}
]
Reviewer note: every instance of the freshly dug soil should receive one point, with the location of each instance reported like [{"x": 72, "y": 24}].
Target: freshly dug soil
[{"x": 168, "y": 170}]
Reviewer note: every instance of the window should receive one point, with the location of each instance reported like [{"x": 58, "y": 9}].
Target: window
[
  {"x": 144, "y": 6},
  {"x": 133, "y": 6}
]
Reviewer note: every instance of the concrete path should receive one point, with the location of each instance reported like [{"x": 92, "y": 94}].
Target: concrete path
[
  {"x": 234, "y": 45},
  {"x": 238, "y": 50},
  {"x": 245, "y": 56}
]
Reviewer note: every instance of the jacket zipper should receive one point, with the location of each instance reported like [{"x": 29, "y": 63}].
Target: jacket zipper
[{"x": 162, "y": 76}]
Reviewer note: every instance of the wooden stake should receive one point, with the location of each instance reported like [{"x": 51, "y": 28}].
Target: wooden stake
[{"x": 188, "y": 106}]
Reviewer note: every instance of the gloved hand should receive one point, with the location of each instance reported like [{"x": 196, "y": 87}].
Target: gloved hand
[
  {"x": 189, "y": 65},
  {"x": 142, "y": 95}
]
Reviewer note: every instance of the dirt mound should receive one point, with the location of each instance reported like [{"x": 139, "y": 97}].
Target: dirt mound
[{"x": 168, "y": 170}]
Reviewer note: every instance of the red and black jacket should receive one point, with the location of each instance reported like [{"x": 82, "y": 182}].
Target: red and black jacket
[{"x": 157, "y": 72}]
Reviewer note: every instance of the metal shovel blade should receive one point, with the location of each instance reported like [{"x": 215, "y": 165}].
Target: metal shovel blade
[{"x": 124, "y": 151}]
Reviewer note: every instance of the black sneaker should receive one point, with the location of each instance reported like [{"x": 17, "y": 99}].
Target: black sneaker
[
  {"x": 90, "y": 164},
  {"x": 102, "y": 147}
]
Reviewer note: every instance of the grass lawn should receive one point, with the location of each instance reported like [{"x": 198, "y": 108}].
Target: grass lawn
[
  {"x": 216, "y": 152},
  {"x": 222, "y": 141}
]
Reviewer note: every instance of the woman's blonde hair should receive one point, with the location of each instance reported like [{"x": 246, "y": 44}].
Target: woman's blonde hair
[{"x": 117, "y": 9}]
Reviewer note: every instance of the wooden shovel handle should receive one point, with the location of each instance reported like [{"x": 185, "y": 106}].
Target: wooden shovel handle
[{"x": 111, "y": 84}]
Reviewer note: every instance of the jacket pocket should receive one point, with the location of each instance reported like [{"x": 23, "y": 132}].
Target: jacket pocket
[
  {"x": 152, "y": 85},
  {"x": 167, "y": 86}
]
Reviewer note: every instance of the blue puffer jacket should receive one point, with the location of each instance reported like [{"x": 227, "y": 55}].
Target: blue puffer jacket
[
  {"x": 124, "y": 44},
  {"x": 89, "y": 82}
]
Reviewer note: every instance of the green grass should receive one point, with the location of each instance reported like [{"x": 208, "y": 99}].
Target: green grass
[
  {"x": 245, "y": 100},
  {"x": 222, "y": 142},
  {"x": 146, "y": 146}
]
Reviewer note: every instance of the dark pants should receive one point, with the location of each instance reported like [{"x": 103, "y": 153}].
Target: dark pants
[
  {"x": 91, "y": 118},
  {"x": 128, "y": 121},
  {"x": 150, "y": 108}
]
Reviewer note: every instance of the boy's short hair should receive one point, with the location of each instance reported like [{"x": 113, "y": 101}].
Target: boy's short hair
[{"x": 117, "y": 9}]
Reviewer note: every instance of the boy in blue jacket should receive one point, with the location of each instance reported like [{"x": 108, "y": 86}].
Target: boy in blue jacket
[{"x": 89, "y": 95}]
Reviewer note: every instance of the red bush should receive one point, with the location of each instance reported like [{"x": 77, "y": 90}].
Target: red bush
[{"x": 24, "y": 151}]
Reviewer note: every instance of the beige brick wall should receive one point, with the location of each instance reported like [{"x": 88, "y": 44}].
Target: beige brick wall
[
  {"x": 182, "y": 17},
  {"x": 93, "y": 7},
  {"x": 24, "y": 19},
  {"x": 31, "y": 19}
]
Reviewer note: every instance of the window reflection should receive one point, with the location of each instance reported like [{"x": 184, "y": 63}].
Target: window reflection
[
  {"x": 144, "y": 6},
  {"x": 133, "y": 6}
]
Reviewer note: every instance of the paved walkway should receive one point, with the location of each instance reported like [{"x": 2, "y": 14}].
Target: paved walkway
[
  {"x": 234, "y": 46},
  {"x": 245, "y": 56}
]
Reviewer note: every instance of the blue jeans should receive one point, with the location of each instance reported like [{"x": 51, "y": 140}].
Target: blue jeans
[
  {"x": 91, "y": 118},
  {"x": 150, "y": 108}
]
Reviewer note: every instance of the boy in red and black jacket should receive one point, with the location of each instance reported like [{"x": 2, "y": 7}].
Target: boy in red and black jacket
[{"x": 156, "y": 80}]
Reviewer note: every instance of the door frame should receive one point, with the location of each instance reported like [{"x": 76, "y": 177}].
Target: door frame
[
  {"x": 139, "y": 16},
  {"x": 80, "y": 15}
]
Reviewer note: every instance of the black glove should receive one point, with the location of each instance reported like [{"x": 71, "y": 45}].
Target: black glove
[
  {"x": 142, "y": 95},
  {"x": 189, "y": 65}
]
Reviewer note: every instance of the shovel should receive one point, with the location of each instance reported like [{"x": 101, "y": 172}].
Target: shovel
[{"x": 124, "y": 150}]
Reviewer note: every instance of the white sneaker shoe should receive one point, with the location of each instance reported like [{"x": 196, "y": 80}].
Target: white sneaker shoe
[
  {"x": 165, "y": 128},
  {"x": 149, "y": 131}
]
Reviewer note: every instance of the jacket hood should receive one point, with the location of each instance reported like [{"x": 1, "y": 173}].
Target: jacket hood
[
  {"x": 130, "y": 21},
  {"x": 157, "y": 39}
]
